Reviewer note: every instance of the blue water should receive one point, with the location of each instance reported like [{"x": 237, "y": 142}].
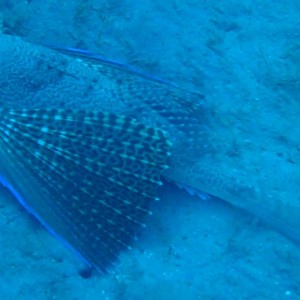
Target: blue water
[{"x": 236, "y": 53}]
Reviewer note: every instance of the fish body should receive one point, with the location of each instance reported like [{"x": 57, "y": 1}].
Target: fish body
[
  {"x": 51, "y": 88},
  {"x": 34, "y": 77},
  {"x": 47, "y": 79}
]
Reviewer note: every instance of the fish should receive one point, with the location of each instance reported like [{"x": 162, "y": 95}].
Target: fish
[{"x": 36, "y": 77}]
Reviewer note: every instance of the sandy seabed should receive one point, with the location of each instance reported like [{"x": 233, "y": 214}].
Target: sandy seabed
[{"x": 245, "y": 57}]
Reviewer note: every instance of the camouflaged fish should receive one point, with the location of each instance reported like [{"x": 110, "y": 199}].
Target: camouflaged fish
[
  {"x": 88, "y": 167},
  {"x": 80, "y": 150}
]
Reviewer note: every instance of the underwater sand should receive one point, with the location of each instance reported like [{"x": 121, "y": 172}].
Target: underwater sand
[{"x": 191, "y": 249}]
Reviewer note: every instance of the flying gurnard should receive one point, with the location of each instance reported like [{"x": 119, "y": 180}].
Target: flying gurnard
[{"x": 83, "y": 146}]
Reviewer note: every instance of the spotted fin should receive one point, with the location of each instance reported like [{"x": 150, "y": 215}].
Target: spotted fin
[
  {"x": 88, "y": 177},
  {"x": 175, "y": 108}
]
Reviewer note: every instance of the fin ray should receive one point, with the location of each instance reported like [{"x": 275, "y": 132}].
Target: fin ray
[{"x": 99, "y": 170}]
